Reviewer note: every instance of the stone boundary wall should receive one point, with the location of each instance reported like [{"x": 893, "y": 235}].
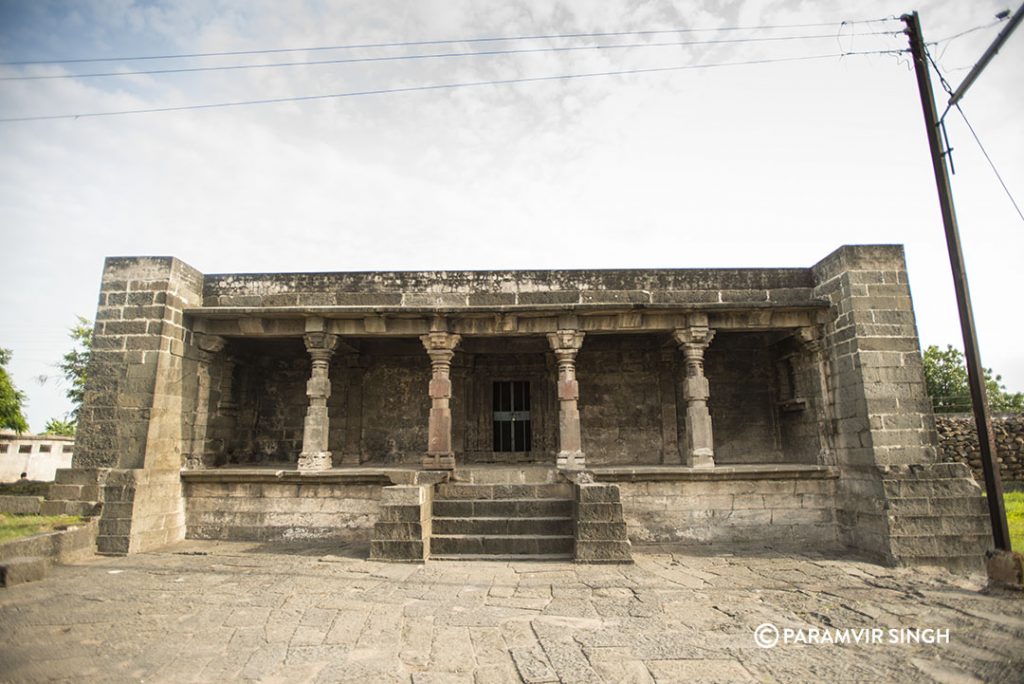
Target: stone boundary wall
[
  {"x": 790, "y": 514},
  {"x": 958, "y": 442},
  {"x": 241, "y": 511}
]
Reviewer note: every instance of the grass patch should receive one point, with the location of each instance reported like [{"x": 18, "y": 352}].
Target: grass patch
[
  {"x": 1014, "y": 502},
  {"x": 18, "y": 526}
]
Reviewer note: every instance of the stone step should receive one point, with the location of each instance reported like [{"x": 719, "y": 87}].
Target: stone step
[
  {"x": 457, "y": 491},
  {"x": 500, "y": 545},
  {"x": 524, "y": 474},
  {"x": 502, "y": 508},
  {"x": 22, "y": 569},
  {"x": 504, "y": 526},
  {"x": 60, "y": 507},
  {"x": 543, "y": 557}
]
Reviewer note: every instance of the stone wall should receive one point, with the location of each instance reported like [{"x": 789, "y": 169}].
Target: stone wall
[
  {"x": 783, "y": 514},
  {"x": 885, "y": 433},
  {"x": 958, "y": 442},
  {"x": 620, "y": 402},
  {"x": 286, "y": 511}
]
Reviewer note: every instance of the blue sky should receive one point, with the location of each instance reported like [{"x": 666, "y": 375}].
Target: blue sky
[{"x": 766, "y": 165}]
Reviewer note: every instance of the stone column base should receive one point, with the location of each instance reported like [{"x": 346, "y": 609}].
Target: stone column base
[
  {"x": 571, "y": 460},
  {"x": 316, "y": 460},
  {"x": 701, "y": 459},
  {"x": 439, "y": 461}
]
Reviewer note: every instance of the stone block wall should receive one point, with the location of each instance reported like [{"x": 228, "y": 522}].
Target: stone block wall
[
  {"x": 265, "y": 511},
  {"x": 958, "y": 443},
  {"x": 883, "y": 424},
  {"x": 133, "y": 430},
  {"x": 784, "y": 514},
  {"x": 132, "y": 408}
]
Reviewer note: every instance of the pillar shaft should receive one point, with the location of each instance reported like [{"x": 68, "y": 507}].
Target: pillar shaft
[
  {"x": 693, "y": 340},
  {"x": 315, "y": 454},
  {"x": 810, "y": 339},
  {"x": 440, "y": 347},
  {"x": 206, "y": 349},
  {"x": 566, "y": 345}
]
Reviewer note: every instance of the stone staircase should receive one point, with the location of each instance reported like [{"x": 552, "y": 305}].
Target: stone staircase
[{"x": 503, "y": 514}]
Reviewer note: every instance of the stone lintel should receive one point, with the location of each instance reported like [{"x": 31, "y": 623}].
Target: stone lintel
[{"x": 409, "y": 322}]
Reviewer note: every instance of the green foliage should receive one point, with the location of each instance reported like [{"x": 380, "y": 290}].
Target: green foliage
[
  {"x": 945, "y": 375},
  {"x": 11, "y": 399},
  {"x": 75, "y": 365},
  {"x": 17, "y": 526},
  {"x": 56, "y": 426},
  {"x": 1014, "y": 502}
]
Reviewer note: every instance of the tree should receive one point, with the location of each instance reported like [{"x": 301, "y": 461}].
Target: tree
[
  {"x": 945, "y": 375},
  {"x": 57, "y": 426},
  {"x": 11, "y": 399},
  {"x": 75, "y": 365}
]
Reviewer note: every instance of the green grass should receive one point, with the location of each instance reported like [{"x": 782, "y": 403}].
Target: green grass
[
  {"x": 18, "y": 526},
  {"x": 1014, "y": 502}
]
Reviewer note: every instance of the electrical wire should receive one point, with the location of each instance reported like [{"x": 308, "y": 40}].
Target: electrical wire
[
  {"x": 964, "y": 33},
  {"x": 441, "y": 86},
  {"x": 949, "y": 91},
  {"x": 990, "y": 162},
  {"x": 439, "y": 55},
  {"x": 353, "y": 46}
]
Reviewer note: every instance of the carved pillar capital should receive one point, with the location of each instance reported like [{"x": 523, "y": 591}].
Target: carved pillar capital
[
  {"x": 209, "y": 344},
  {"x": 810, "y": 338}
]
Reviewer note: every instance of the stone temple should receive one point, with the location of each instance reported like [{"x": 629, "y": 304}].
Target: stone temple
[{"x": 533, "y": 414}]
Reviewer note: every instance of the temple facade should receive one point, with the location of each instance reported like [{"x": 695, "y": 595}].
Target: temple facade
[{"x": 535, "y": 413}]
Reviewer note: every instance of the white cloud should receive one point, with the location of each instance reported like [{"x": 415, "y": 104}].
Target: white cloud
[{"x": 742, "y": 166}]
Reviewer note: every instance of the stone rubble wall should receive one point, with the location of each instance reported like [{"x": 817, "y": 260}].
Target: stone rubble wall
[{"x": 958, "y": 443}]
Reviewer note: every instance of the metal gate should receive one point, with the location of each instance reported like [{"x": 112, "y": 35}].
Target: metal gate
[{"x": 511, "y": 406}]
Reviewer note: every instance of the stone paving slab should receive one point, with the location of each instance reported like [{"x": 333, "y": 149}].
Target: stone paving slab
[{"x": 216, "y": 612}]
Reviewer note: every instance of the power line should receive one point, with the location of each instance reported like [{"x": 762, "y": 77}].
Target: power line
[
  {"x": 439, "y": 55},
  {"x": 990, "y": 162},
  {"x": 968, "y": 31},
  {"x": 442, "y": 86},
  {"x": 353, "y": 46}
]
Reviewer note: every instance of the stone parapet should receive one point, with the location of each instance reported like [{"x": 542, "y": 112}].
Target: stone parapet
[
  {"x": 600, "y": 528},
  {"x": 402, "y": 534}
]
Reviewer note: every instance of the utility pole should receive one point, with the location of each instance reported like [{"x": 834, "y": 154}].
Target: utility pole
[{"x": 975, "y": 371}]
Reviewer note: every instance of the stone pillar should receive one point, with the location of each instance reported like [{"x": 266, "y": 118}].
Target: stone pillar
[
  {"x": 315, "y": 454},
  {"x": 693, "y": 340},
  {"x": 566, "y": 345},
  {"x": 440, "y": 346},
  {"x": 810, "y": 340},
  {"x": 206, "y": 348}
]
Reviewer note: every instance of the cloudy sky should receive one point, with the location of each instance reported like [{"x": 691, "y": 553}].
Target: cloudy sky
[{"x": 772, "y": 164}]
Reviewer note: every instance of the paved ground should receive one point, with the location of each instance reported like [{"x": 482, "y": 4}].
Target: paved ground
[{"x": 214, "y": 612}]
